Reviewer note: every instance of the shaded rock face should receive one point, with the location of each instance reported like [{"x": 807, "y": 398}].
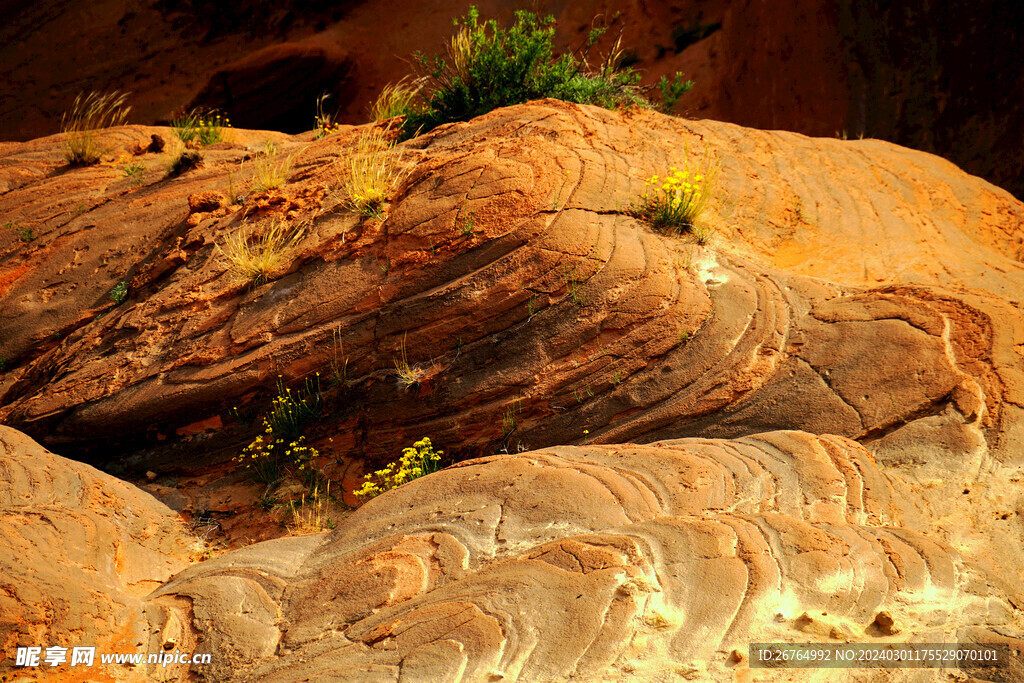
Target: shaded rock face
[
  {"x": 810, "y": 427},
  {"x": 272, "y": 89},
  {"x": 913, "y": 79}
]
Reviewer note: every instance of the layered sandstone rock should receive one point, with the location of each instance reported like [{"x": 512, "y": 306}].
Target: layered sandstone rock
[
  {"x": 557, "y": 305},
  {"x": 635, "y": 562},
  {"x": 595, "y": 562},
  {"x": 861, "y": 297},
  {"x": 79, "y": 553}
]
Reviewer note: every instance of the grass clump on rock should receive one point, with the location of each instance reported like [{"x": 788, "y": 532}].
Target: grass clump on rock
[
  {"x": 487, "y": 67},
  {"x": 270, "y": 171},
  {"x": 257, "y": 255},
  {"x": 88, "y": 114},
  {"x": 371, "y": 174},
  {"x": 199, "y": 128}
]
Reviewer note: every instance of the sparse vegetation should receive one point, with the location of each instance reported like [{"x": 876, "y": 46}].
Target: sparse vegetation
[
  {"x": 339, "y": 365},
  {"x": 281, "y": 447},
  {"x": 88, "y": 114},
  {"x": 183, "y": 160},
  {"x": 576, "y": 293},
  {"x": 511, "y": 417},
  {"x": 131, "y": 169},
  {"x": 202, "y": 550},
  {"x": 371, "y": 174},
  {"x": 119, "y": 293},
  {"x": 417, "y": 461},
  {"x": 582, "y": 395},
  {"x": 395, "y": 99},
  {"x": 256, "y": 255},
  {"x": 703, "y": 234},
  {"x": 324, "y": 123},
  {"x": 312, "y": 515},
  {"x": 200, "y": 128},
  {"x": 674, "y": 203},
  {"x": 798, "y": 210},
  {"x": 574, "y": 287},
  {"x": 684, "y": 260},
  {"x": 672, "y": 90},
  {"x": 270, "y": 171},
  {"x": 408, "y": 375},
  {"x": 487, "y": 67},
  {"x": 467, "y": 225},
  {"x": 133, "y": 172},
  {"x": 24, "y": 234}
]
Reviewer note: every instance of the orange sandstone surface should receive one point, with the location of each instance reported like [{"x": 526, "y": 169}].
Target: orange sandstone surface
[{"x": 665, "y": 448}]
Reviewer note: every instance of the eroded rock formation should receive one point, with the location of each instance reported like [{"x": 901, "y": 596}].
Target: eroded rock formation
[
  {"x": 81, "y": 550},
  {"x": 864, "y": 295},
  {"x": 595, "y": 561},
  {"x": 555, "y": 304}
]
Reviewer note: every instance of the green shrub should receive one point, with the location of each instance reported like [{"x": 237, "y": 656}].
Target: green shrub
[
  {"x": 24, "y": 234},
  {"x": 119, "y": 293},
  {"x": 132, "y": 170},
  {"x": 488, "y": 67}
]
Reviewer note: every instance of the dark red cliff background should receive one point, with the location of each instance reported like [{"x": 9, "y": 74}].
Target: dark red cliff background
[{"x": 943, "y": 77}]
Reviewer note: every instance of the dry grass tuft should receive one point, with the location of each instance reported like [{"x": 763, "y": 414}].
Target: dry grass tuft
[
  {"x": 311, "y": 515},
  {"x": 181, "y": 159},
  {"x": 271, "y": 172},
  {"x": 256, "y": 257},
  {"x": 459, "y": 60},
  {"x": 88, "y": 114},
  {"x": 460, "y": 54},
  {"x": 395, "y": 99},
  {"x": 408, "y": 375},
  {"x": 371, "y": 174}
]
